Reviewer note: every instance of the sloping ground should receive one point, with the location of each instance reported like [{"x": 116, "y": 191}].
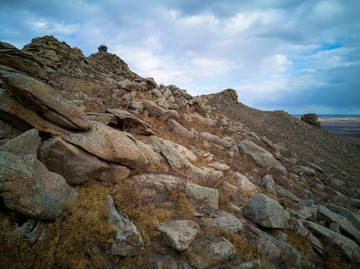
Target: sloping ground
[
  {"x": 157, "y": 178},
  {"x": 332, "y": 152}
]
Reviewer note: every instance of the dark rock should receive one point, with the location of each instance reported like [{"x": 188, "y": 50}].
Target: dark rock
[
  {"x": 311, "y": 119},
  {"x": 42, "y": 99}
]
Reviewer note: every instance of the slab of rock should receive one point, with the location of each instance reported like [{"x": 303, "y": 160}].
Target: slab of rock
[
  {"x": 260, "y": 156},
  {"x": 346, "y": 245},
  {"x": 28, "y": 187},
  {"x": 128, "y": 122},
  {"x": 104, "y": 118},
  {"x": 180, "y": 130},
  {"x": 160, "y": 184},
  {"x": 26, "y": 143},
  {"x": 213, "y": 253},
  {"x": 245, "y": 184},
  {"x": 21, "y": 60},
  {"x": 42, "y": 99},
  {"x": 179, "y": 234},
  {"x": 352, "y": 217},
  {"x": 224, "y": 221},
  {"x": 110, "y": 145},
  {"x": 24, "y": 118},
  {"x": 345, "y": 226},
  {"x": 268, "y": 183},
  {"x": 76, "y": 165},
  {"x": 128, "y": 241},
  {"x": 266, "y": 212},
  {"x": 307, "y": 171},
  {"x": 153, "y": 109}
]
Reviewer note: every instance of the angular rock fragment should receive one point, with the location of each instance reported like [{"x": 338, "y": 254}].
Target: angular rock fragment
[
  {"x": 128, "y": 241},
  {"x": 28, "y": 187},
  {"x": 128, "y": 122},
  {"x": 213, "y": 253},
  {"x": 260, "y": 156},
  {"x": 179, "y": 234},
  {"x": 224, "y": 221},
  {"x": 26, "y": 143},
  {"x": 266, "y": 212}
]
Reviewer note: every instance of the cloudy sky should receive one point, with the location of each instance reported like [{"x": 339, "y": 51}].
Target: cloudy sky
[{"x": 292, "y": 55}]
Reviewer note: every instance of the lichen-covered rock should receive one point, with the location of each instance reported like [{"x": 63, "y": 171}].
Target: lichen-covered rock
[
  {"x": 128, "y": 122},
  {"x": 179, "y": 234},
  {"x": 110, "y": 145},
  {"x": 128, "y": 241},
  {"x": 27, "y": 143},
  {"x": 266, "y": 212},
  {"x": 213, "y": 253},
  {"x": 28, "y": 187},
  {"x": 224, "y": 221},
  {"x": 42, "y": 99},
  {"x": 76, "y": 165},
  {"x": 260, "y": 156},
  {"x": 153, "y": 109}
]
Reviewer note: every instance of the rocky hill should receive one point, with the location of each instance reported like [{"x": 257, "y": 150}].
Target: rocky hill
[{"x": 101, "y": 168}]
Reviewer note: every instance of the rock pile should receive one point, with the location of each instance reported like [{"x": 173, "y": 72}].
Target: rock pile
[{"x": 183, "y": 186}]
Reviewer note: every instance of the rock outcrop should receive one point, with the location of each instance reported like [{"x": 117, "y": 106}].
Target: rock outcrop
[{"x": 198, "y": 182}]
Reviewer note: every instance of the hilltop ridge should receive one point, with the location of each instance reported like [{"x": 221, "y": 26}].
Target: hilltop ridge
[{"x": 101, "y": 168}]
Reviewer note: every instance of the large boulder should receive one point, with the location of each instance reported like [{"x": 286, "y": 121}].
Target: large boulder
[
  {"x": 42, "y": 99},
  {"x": 260, "y": 156},
  {"x": 352, "y": 217},
  {"x": 128, "y": 241},
  {"x": 312, "y": 119},
  {"x": 110, "y": 145},
  {"x": 128, "y": 122},
  {"x": 76, "y": 165},
  {"x": 266, "y": 212},
  {"x": 179, "y": 234},
  {"x": 28, "y": 187}
]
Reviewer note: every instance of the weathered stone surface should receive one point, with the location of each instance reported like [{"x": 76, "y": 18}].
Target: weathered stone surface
[
  {"x": 259, "y": 155},
  {"x": 76, "y": 165},
  {"x": 42, "y": 99},
  {"x": 307, "y": 171},
  {"x": 24, "y": 118},
  {"x": 128, "y": 122},
  {"x": 245, "y": 184},
  {"x": 224, "y": 142},
  {"x": 174, "y": 155},
  {"x": 345, "y": 226},
  {"x": 128, "y": 241},
  {"x": 21, "y": 60},
  {"x": 213, "y": 253},
  {"x": 352, "y": 217},
  {"x": 312, "y": 119},
  {"x": 104, "y": 118},
  {"x": 346, "y": 245},
  {"x": 224, "y": 221},
  {"x": 266, "y": 212},
  {"x": 180, "y": 130},
  {"x": 179, "y": 234},
  {"x": 155, "y": 162},
  {"x": 283, "y": 193},
  {"x": 29, "y": 188},
  {"x": 27, "y": 143},
  {"x": 110, "y": 145},
  {"x": 160, "y": 184},
  {"x": 153, "y": 109},
  {"x": 219, "y": 166},
  {"x": 268, "y": 183}
]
